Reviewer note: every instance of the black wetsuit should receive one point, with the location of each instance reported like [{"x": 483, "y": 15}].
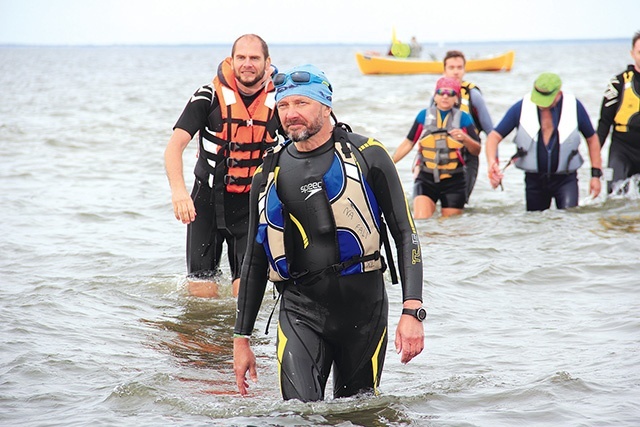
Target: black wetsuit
[
  {"x": 624, "y": 151},
  {"x": 339, "y": 321}
]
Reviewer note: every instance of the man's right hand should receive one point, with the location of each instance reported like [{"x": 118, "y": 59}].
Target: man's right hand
[
  {"x": 243, "y": 361},
  {"x": 183, "y": 207},
  {"x": 495, "y": 175}
]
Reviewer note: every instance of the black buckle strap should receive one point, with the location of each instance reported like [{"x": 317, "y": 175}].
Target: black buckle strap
[
  {"x": 338, "y": 268},
  {"x": 248, "y": 122},
  {"x": 242, "y": 163},
  {"x": 237, "y": 180},
  {"x": 307, "y": 278},
  {"x": 245, "y": 146}
]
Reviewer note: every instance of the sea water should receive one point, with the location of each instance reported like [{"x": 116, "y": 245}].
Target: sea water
[{"x": 533, "y": 317}]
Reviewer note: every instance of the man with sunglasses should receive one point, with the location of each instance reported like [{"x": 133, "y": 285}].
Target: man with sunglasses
[
  {"x": 235, "y": 118},
  {"x": 317, "y": 216},
  {"x": 549, "y": 123}
]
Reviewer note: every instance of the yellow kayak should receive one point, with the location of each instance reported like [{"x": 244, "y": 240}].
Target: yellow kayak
[{"x": 378, "y": 64}]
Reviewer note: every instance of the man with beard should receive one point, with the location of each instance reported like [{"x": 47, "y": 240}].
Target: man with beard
[
  {"x": 316, "y": 227},
  {"x": 235, "y": 118}
]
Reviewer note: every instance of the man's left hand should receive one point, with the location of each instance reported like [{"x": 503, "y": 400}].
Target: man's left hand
[{"x": 409, "y": 338}]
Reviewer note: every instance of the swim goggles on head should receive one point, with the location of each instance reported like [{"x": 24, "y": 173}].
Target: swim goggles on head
[{"x": 299, "y": 78}]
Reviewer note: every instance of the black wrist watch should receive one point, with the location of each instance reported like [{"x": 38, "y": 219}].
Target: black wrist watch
[
  {"x": 418, "y": 313},
  {"x": 596, "y": 173}
]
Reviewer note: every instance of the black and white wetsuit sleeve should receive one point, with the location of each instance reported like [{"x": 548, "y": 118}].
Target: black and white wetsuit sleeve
[
  {"x": 382, "y": 175},
  {"x": 609, "y": 107},
  {"x": 195, "y": 115},
  {"x": 253, "y": 278}
]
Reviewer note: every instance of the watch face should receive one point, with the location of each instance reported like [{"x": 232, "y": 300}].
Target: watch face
[{"x": 421, "y": 314}]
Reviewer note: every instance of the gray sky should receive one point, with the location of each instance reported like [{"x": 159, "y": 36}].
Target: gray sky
[{"x": 105, "y": 22}]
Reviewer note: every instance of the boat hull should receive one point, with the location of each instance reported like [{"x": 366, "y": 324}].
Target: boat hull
[{"x": 377, "y": 64}]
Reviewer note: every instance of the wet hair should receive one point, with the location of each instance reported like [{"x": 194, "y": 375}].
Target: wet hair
[
  {"x": 454, "y": 54},
  {"x": 636, "y": 37},
  {"x": 265, "y": 48}
]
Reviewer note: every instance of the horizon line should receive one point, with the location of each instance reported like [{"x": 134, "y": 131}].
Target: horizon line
[{"x": 204, "y": 44}]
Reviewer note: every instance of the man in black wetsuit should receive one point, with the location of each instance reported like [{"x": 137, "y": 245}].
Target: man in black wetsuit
[
  {"x": 621, "y": 109},
  {"x": 315, "y": 229}
]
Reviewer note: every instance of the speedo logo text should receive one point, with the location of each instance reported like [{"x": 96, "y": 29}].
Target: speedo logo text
[{"x": 311, "y": 188}]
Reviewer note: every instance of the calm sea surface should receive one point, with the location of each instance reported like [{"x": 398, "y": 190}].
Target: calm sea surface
[{"x": 534, "y": 318}]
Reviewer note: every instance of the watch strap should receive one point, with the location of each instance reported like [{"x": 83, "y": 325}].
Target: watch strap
[{"x": 414, "y": 312}]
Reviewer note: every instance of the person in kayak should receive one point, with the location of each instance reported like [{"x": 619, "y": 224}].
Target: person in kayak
[
  {"x": 442, "y": 132},
  {"x": 236, "y": 122},
  {"x": 318, "y": 208}
]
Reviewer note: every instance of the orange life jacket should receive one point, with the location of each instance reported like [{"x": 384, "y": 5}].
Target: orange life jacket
[{"x": 234, "y": 148}]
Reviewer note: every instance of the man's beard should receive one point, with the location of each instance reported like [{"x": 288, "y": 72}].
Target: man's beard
[
  {"x": 307, "y": 131},
  {"x": 252, "y": 82}
]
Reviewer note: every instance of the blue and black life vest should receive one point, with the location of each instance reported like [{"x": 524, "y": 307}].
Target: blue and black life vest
[{"x": 357, "y": 221}]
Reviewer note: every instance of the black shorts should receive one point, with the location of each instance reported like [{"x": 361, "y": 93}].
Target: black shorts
[
  {"x": 205, "y": 238},
  {"x": 452, "y": 192}
]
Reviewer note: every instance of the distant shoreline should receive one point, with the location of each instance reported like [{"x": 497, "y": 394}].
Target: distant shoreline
[{"x": 364, "y": 44}]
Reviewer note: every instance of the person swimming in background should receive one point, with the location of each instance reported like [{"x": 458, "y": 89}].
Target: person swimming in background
[
  {"x": 443, "y": 133},
  {"x": 317, "y": 212}
]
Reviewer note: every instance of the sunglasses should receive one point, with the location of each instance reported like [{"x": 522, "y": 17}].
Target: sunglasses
[
  {"x": 299, "y": 78},
  {"x": 448, "y": 92}
]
